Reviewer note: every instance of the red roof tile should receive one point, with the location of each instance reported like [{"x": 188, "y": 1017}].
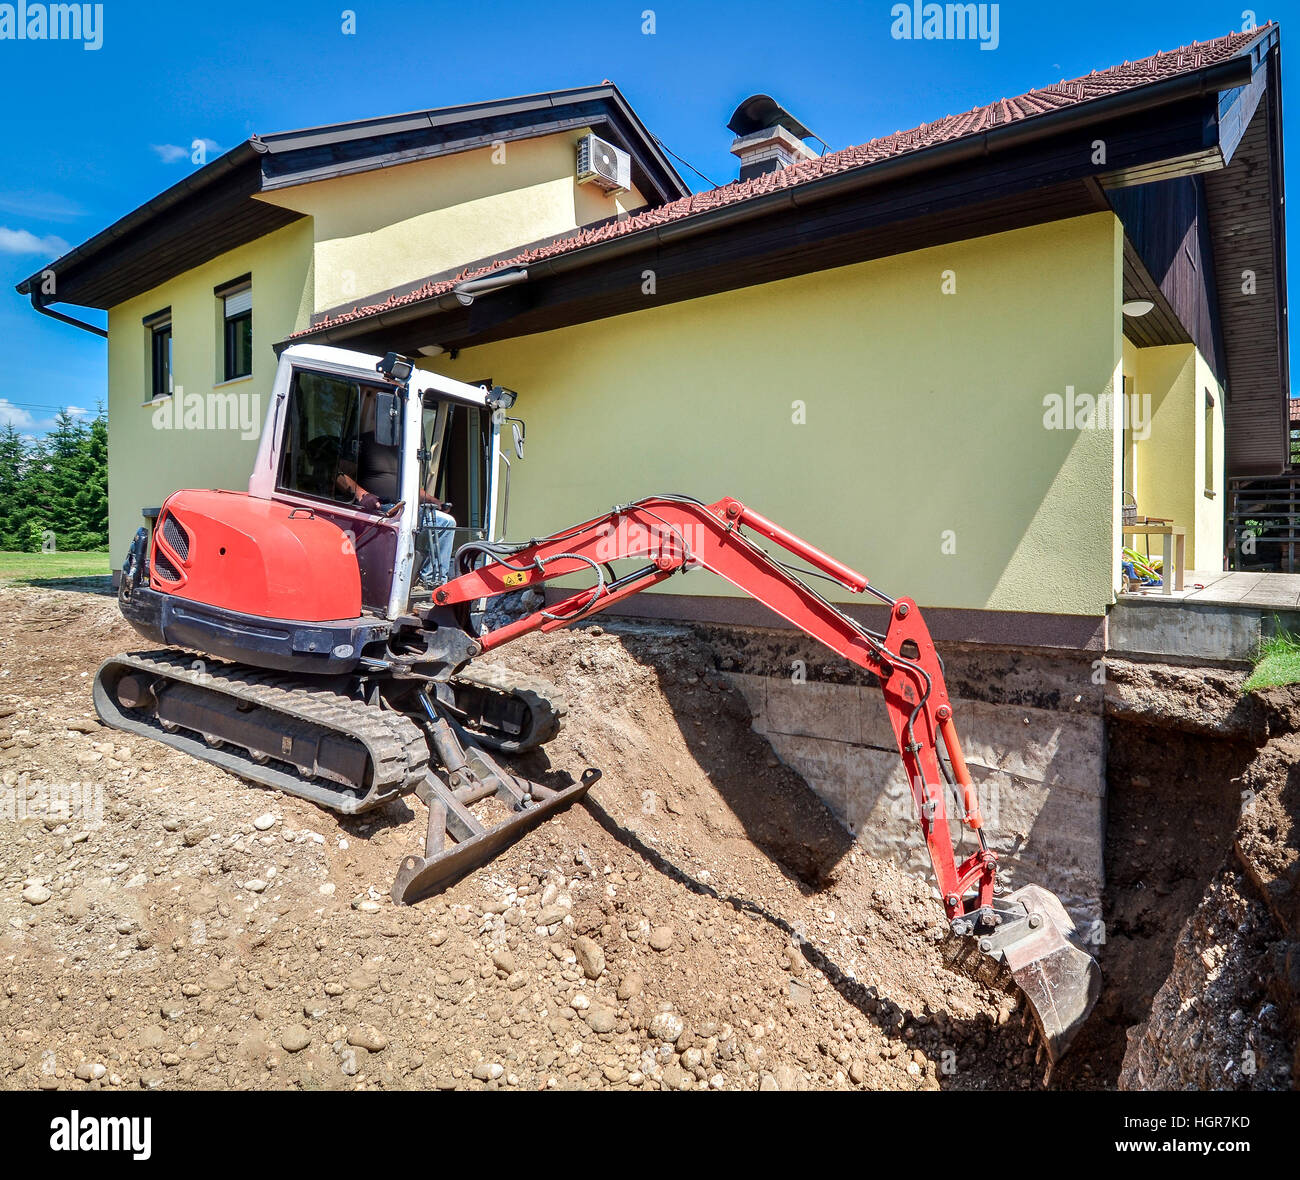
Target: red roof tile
[
  {"x": 1098, "y": 84},
  {"x": 1295, "y": 410}
]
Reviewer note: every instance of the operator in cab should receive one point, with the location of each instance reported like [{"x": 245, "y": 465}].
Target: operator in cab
[{"x": 375, "y": 486}]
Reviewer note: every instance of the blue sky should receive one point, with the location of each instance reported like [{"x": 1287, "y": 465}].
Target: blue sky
[{"x": 94, "y": 133}]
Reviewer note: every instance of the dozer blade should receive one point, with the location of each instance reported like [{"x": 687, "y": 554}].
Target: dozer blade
[{"x": 458, "y": 842}]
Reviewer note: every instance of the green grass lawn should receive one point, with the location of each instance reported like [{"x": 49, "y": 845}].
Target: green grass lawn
[
  {"x": 38, "y": 568},
  {"x": 1278, "y": 663}
]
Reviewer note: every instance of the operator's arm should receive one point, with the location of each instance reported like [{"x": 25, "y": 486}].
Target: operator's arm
[
  {"x": 364, "y": 499},
  {"x": 345, "y": 483}
]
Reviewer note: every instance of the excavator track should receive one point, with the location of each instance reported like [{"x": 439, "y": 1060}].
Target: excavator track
[
  {"x": 507, "y": 711},
  {"x": 274, "y": 730}
]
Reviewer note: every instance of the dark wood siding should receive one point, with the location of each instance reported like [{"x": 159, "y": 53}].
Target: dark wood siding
[
  {"x": 1247, "y": 235},
  {"x": 1167, "y": 224}
]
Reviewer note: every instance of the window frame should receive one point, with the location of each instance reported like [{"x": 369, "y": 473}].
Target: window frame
[
  {"x": 1208, "y": 417},
  {"x": 157, "y": 324},
  {"x": 291, "y": 408},
  {"x": 230, "y": 325}
]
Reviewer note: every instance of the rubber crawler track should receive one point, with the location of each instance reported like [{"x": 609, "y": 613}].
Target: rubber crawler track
[
  {"x": 546, "y": 704},
  {"x": 399, "y": 754}
]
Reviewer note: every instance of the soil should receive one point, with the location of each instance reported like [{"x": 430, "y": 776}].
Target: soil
[
  {"x": 700, "y": 921},
  {"x": 1202, "y": 904}
]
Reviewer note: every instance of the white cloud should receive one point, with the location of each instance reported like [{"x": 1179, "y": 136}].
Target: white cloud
[
  {"x": 34, "y": 424},
  {"x": 173, "y": 153},
  {"x": 22, "y": 241},
  {"x": 22, "y": 420},
  {"x": 41, "y": 205},
  {"x": 170, "y": 153}
]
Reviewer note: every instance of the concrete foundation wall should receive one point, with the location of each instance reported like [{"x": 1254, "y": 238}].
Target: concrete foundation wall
[
  {"x": 1186, "y": 632},
  {"x": 1034, "y": 738}
]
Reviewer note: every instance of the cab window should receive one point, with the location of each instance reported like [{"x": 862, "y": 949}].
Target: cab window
[{"x": 329, "y": 436}]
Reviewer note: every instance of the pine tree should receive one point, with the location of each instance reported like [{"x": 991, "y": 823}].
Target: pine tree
[
  {"x": 13, "y": 467},
  {"x": 91, "y": 502},
  {"x": 55, "y": 487},
  {"x": 33, "y": 509}
]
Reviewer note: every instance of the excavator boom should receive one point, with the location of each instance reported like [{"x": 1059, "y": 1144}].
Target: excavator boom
[{"x": 1027, "y": 933}]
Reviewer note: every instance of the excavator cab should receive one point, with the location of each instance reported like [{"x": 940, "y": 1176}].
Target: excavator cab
[{"x": 405, "y": 463}]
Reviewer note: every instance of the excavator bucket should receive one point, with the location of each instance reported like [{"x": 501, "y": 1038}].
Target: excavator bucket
[
  {"x": 1031, "y": 948},
  {"x": 1059, "y": 981}
]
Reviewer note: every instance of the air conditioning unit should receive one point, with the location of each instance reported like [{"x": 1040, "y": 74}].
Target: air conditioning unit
[{"x": 603, "y": 164}]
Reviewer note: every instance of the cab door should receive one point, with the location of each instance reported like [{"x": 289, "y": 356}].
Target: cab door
[
  {"x": 469, "y": 469},
  {"x": 458, "y": 464}
]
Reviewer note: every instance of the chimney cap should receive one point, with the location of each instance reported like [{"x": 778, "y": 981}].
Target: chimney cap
[{"x": 759, "y": 112}]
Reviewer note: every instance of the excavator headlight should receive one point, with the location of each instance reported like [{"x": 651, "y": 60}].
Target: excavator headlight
[
  {"x": 396, "y": 367},
  {"x": 500, "y": 398}
]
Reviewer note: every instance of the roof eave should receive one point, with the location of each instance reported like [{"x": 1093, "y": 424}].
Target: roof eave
[
  {"x": 1219, "y": 76},
  {"x": 256, "y": 147},
  {"x": 222, "y": 166}
]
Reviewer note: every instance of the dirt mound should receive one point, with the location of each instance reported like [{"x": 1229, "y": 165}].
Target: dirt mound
[{"x": 700, "y": 922}]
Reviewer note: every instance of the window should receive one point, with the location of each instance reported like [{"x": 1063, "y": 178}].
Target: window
[
  {"x": 237, "y": 329},
  {"x": 159, "y": 329},
  {"x": 329, "y": 448},
  {"x": 464, "y": 472},
  {"x": 1209, "y": 443}
]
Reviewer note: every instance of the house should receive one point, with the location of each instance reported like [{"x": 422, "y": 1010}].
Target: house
[
  {"x": 203, "y": 281},
  {"x": 944, "y": 356}
]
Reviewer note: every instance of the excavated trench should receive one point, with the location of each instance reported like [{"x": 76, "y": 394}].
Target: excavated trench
[
  {"x": 1197, "y": 842},
  {"x": 1171, "y": 807},
  {"x": 1199, "y": 958}
]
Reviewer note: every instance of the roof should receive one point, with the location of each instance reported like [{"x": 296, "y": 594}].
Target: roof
[
  {"x": 1125, "y": 79},
  {"x": 1295, "y": 410},
  {"x": 215, "y": 209}
]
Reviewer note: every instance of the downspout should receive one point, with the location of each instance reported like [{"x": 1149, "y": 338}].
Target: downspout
[{"x": 67, "y": 319}]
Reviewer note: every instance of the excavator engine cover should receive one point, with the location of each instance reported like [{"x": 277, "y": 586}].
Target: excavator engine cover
[{"x": 258, "y": 557}]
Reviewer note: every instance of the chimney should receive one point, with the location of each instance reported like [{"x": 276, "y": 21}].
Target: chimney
[{"x": 768, "y": 137}]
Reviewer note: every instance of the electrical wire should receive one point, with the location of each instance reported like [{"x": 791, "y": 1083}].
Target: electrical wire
[{"x": 679, "y": 159}]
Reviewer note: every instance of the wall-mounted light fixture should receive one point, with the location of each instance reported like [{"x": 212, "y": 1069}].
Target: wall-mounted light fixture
[{"x": 1137, "y": 307}]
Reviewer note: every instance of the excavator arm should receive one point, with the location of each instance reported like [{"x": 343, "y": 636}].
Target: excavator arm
[
  {"x": 676, "y": 533},
  {"x": 1026, "y": 934}
]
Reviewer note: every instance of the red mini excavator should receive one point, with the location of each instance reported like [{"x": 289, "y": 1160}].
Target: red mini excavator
[{"x": 323, "y": 631}]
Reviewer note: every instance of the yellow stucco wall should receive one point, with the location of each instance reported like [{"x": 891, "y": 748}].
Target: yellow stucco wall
[
  {"x": 151, "y": 456},
  {"x": 924, "y": 459},
  {"x": 381, "y": 229},
  {"x": 1170, "y": 470}
]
